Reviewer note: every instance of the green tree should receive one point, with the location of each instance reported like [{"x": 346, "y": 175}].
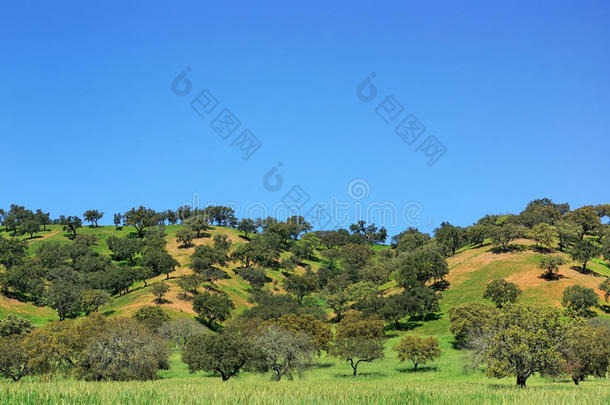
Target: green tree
[
  {"x": 93, "y": 216},
  {"x": 605, "y": 287},
  {"x": 409, "y": 240},
  {"x": 91, "y": 300},
  {"x": 124, "y": 351},
  {"x": 63, "y": 296},
  {"x": 418, "y": 350},
  {"x": 43, "y": 218},
  {"x": 551, "y": 265},
  {"x": 586, "y": 351},
  {"x": 318, "y": 331},
  {"x": 159, "y": 289},
  {"x": 152, "y": 316},
  {"x": 140, "y": 218},
  {"x": 255, "y": 276},
  {"x": 14, "y": 325},
  {"x": 524, "y": 340},
  {"x": 71, "y": 224},
  {"x": 476, "y": 234},
  {"x": 501, "y": 292},
  {"x": 470, "y": 322},
  {"x": 12, "y": 251},
  {"x": 568, "y": 233},
  {"x": 579, "y": 299},
  {"x": 544, "y": 234},
  {"x": 124, "y": 248},
  {"x": 450, "y": 236},
  {"x": 198, "y": 223},
  {"x": 587, "y": 218},
  {"x": 185, "y": 236},
  {"x": 224, "y": 353},
  {"x": 213, "y": 307},
  {"x": 204, "y": 260},
  {"x": 301, "y": 285},
  {"x": 358, "y": 340},
  {"x": 222, "y": 243},
  {"x": 247, "y": 226},
  {"x": 189, "y": 283},
  {"x": 117, "y": 219},
  {"x": 159, "y": 261},
  {"x": 503, "y": 235},
  {"x": 421, "y": 266},
  {"x": 13, "y": 358},
  {"x": 282, "y": 351},
  {"x": 180, "y": 331},
  {"x": 583, "y": 251}
]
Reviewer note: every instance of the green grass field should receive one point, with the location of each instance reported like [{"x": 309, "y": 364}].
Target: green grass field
[{"x": 386, "y": 381}]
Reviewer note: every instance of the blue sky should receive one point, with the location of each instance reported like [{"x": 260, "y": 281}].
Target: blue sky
[{"x": 516, "y": 93}]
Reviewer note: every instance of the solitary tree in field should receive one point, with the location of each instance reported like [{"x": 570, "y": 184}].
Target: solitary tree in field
[
  {"x": 224, "y": 353},
  {"x": 501, "y": 292},
  {"x": 185, "y": 236},
  {"x": 358, "y": 340},
  {"x": 93, "y": 216},
  {"x": 524, "y": 340},
  {"x": 71, "y": 224},
  {"x": 159, "y": 289},
  {"x": 198, "y": 223},
  {"x": 418, "y": 350},
  {"x": 118, "y": 217},
  {"x": 583, "y": 251},
  {"x": 551, "y": 265}
]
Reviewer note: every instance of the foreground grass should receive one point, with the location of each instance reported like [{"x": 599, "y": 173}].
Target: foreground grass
[{"x": 328, "y": 381}]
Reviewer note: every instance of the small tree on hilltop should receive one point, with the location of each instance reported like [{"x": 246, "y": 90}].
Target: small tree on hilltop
[
  {"x": 501, "y": 292},
  {"x": 93, "y": 216},
  {"x": 417, "y": 349},
  {"x": 185, "y": 236}
]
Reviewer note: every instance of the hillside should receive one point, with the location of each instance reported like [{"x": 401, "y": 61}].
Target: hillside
[{"x": 470, "y": 269}]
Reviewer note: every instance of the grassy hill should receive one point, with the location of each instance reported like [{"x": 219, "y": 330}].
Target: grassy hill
[
  {"x": 469, "y": 271},
  {"x": 445, "y": 381}
]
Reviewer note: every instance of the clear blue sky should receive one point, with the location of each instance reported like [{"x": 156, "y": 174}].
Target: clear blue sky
[{"x": 517, "y": 92}]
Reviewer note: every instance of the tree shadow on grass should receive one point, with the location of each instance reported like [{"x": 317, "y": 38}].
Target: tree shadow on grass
[
  {"x": 605, "y": 308},
  {"x": 551, "y": 277},
  {"x": 361, "y": 374},
  {"x": 508, "y": 249},
  {"x": 421, "y": 369},
  {"x": 587, "y": 272},
  {"x": 321, "y": 365}
]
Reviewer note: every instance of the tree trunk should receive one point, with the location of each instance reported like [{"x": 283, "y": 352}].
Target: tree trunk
[
  {"x": 415, "y": 364},
  {"x": 521, "y": 381},
  {"x": 584, "y": 267},
  {"x": 575, "y": 379}
]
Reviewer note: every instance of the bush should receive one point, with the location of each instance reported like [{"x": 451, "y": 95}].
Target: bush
[{"x": 152, "y": 317}]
